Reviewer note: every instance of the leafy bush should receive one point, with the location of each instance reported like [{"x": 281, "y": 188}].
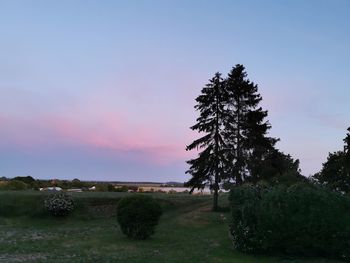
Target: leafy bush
[
  {"x": 111, "y": 188},
  {"x": 123, "y": 188},
  {"x": 59, "y": 204},
  {"x": 28, "y": 180},
  {"x": 138, "y": 216},
  {"x": 21, "y": 203},
  {"x": 299, "y": 220},
  {"x": 243, "y": 202},
  {"x": 13, "y": 185},
  {"x": 101, "y": 187}
]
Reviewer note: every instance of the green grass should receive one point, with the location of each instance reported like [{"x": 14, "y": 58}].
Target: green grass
[{"x": 188, "y": 232}]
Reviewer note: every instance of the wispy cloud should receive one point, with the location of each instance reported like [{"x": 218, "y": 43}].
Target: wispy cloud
[{"x": 105, "y": 131}]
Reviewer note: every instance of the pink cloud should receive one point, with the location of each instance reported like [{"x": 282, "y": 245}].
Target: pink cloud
[{"x": 100, "y": 131}]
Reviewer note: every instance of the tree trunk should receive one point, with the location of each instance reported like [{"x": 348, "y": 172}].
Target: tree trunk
[
  {"x": 216, "y": 198},
  {"x": 238, "y": 143},
  {"x": 216, "y": 185}
]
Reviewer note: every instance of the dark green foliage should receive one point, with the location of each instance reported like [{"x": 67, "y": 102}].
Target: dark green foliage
[
  {"x": 347, "y": 152},
  {"x": 276, "y": 168},
  {"x": 29, "y": 181},
  {"x": 306, "y": 220},
  {"x": 335, "y": 172},
  {"x": 59, "y": 204},
  {"x": 21, "y": 203},
  {"x": 208, "y": 167},
  {"x": 76, "y": 183},
  {"x": 87, "y": 204},
  {"x": 245, "y": 128},
  {"x": 301, "y": 219},
  {"x": 234, "y": 129},
  {"x": 138, "y": 215},
  {"x": 26, "y": 179},
  {"x": 123, "y": 188},
  {"x": 186, "y": 234},
  {"x": 102, "y": 187},
  {"x": 111, "y": 188},
  {"x": 13, "y": 185},
  {"x": 244, "y": 201}
]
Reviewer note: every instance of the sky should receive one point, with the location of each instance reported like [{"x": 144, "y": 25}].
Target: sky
[{"x": 104, "y": 90}]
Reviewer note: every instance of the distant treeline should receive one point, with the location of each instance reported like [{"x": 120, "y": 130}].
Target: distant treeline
[{"x": 29, "y": 183}]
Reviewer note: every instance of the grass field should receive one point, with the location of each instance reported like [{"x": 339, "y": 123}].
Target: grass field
[{"x": 188, "y": 232}]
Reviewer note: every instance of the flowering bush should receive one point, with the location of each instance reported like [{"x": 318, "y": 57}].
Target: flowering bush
[{"x": 59, "y": 204}]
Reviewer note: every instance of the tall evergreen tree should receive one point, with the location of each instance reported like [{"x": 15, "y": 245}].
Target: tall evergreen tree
[
  {"x": 208, "y": 167},
  {"x": 245, "y": 127},
  {"x": 235, "y": 141},
  {"x": 259, "y": 146}
]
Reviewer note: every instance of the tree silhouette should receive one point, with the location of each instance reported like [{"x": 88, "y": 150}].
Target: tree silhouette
[
  {"x": 235, "y": 145},
  {"x": 277, "y": 167},
  {"x": 208, "y": 167},
  {"x": 335, "y": 172},
  {"x": 246, "y": 127}
]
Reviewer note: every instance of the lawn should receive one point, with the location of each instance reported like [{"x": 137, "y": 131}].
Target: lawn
[{"x": 188, "y": 232}]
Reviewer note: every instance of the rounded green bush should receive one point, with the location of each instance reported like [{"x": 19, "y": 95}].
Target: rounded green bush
[
  {"x": 59, "y": 204},
  {"x": 138, "y": 215}
]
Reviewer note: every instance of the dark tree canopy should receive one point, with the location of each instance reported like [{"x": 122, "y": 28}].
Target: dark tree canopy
[
  {"x": 335, "y": 171},
  {"x": 247, "y": 128},
  {"x": 208, "y": 167},
  {"x": 234, "y": 130},
  {"x": 277, "y": 167},
  {"x": 26, "y": 179}
]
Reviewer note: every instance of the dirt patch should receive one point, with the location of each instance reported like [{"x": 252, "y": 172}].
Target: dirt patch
[
  {"x": 103, "y": 210},
  {"x": 195, "y": 217},
  {"x": 15, "y": 236},
  {"x": 12, "y": 258}
]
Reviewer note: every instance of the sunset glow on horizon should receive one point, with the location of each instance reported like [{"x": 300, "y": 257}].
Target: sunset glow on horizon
[{"x": 104, "y": 90}]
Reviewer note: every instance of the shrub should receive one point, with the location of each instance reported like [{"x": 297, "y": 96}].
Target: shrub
[
  {"x": 244, "y": 201},
  {"x": 298, "y": 220},
  {"x": 123, "y": 188},
  {"x": 59, "y": 204},
  {"x": 102, "y": 187},
  {"x": 111, "y": 188},
  {"x": 138, "y": 216},
  {"x": 14, "y": 185},
  {"x": 28, "y": 180},
  {"x": 21, "y": 203}
]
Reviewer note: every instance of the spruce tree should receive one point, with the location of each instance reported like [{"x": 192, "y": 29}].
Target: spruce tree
[
  {"x": 245, "y": 127},
  {"x": 235, "y": 141},
  {"x": 258, "y": 144},
  {"x": 208, "y": 167}
]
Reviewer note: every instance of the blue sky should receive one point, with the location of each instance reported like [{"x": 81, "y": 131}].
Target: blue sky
[{"x": 105, "y": 90}]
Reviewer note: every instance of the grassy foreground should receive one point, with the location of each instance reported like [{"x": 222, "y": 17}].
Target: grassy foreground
[{"x": 188, "y": 232}]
